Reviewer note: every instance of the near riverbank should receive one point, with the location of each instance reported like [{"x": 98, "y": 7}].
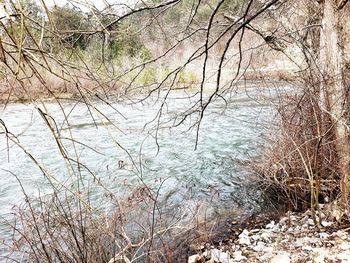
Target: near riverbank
[{"x": 293, "y": 238}]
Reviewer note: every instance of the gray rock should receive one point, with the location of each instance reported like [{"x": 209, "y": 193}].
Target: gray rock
[
  {"x": 341, "y": 234},
  {"x": 284, "y": 220},
  {"x": 194, "y": 258},
  {"x": 266, "y": 236},
  {"x": 245, "y": 232},
  {"x": 291, "y": 230},
  {"x": 219, "y": 256},
  {"x": 293, "y": 218},
  {"x": 255, "y": 237},
  {"x": 265, "y": 257},
  {"x": 297, "y": 229},
  {"x": 323, "y": 235},
  {"x": 304, "y": 219},
  {"x": 326, "y": 224},
  {"x": 259, "y": 247},
  {"x": 271, "y": 224},
  {"x": 237, "y": 256},
  {"x": 320, "y": 255},
  {"x": 282, "y": 257},
  {"x": 345, "y": 246},
  {"x": 308, "y": 248},
  {"x": 310, "y": 222},
  {"x": 313, "y": 240},
  {"x": 299, "y": 242},
  {"x": 344, "y": 256},
  {"x": 268, "y": 250},
  {"x": 244, "y": 238}
]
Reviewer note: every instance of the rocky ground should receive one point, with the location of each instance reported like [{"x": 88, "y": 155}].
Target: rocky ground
[{"x": 294, "y": 238}]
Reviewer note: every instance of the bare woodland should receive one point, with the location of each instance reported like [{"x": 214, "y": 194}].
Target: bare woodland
[{"x": 151, "y": 49}]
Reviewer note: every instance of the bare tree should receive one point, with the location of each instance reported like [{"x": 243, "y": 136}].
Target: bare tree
[{"x": 335, "y": 84}]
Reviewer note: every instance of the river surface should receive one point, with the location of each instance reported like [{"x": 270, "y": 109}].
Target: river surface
[{"x": 230, "y": 133}]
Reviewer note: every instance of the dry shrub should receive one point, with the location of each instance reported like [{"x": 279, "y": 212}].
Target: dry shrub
[
  {"x": 300, "y": 166},
  {"x": 63, "y": 227}
]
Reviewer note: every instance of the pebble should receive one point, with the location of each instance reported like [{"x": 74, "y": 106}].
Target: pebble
[
  {"x": 271, "y": 224},
  {"x": 326, "y": 224},
  {"x": 323, "y": 235},
  {"x": 245, "y": 232},
  {"x": 244, "y": 238},
  {"x": 244, "y": 241},
  {"x": 344, "y": 256},
  {"x": 308, "y": 248},
  {"x": 345, "y": 246},
  {"x": 268, "y": 250},
  {"x": 219, "y": 256},
  {"x": 281, "y": 258},
  {"x": 299, "y": 242},
  {"x": 311, "y": 222},
  {"x": 266, "y": 236},
  {"x": 194, "y": 258},
  {"x": 259, "y": 247},
  {"x": 237, "y": 256}
]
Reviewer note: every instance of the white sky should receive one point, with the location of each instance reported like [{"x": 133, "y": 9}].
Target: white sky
[
  {"x": 84, "y": 5},
  {"x": 97, "y": 3},
  {"x": 100, "y": 4}
]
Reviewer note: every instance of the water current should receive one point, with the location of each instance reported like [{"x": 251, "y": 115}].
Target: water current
[{"x": 231, "y": 132}]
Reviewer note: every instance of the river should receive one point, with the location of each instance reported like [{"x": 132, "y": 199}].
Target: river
[{"x": 231, "y": 132}]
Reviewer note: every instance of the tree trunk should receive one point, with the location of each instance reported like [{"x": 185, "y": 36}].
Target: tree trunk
[{"x": 333, "y": 89}]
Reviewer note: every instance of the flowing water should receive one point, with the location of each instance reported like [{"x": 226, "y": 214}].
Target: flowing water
[{"x": 230, "y": 133}]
